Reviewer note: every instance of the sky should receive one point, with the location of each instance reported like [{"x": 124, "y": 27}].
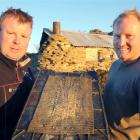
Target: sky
[{"x": 74, "y": 15}]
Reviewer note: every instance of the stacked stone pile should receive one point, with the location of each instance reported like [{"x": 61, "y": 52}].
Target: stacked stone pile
[{"x": 60, "y": 56}]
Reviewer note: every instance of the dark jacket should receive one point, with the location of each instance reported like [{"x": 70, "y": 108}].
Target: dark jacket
[{"x": 15, "y": 85}]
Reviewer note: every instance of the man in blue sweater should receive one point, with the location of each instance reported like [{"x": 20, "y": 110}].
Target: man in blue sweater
[{"x": 122, "y": 92}]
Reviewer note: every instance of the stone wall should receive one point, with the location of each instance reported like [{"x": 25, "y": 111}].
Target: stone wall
[{"x": 61, "y": 56}]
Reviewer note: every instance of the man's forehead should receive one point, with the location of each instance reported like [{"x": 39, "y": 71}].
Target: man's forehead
[
  {"x": 15, "y": 19},
  {"x": 127, "y": 19},
  {"x": 129, "y": 24}
]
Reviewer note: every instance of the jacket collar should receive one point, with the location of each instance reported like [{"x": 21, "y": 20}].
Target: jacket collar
[
  {"x": 14, "y": 64},
  {"x": 10, "y": 63}
]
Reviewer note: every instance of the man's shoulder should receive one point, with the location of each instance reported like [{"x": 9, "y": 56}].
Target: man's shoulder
[
  {"x": 116, "y": 64},
  {"x": 3, "y": 67}
]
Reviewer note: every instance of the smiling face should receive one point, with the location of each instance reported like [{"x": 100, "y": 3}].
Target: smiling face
[
  {"x": 126, "y": 38},
  {"x": 14, "y": 38}
]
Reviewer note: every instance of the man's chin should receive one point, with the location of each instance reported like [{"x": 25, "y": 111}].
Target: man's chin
[
  {"x": 15, "y": 58},
  {"x": 127, "y": 61},
  {"x": 123, "y": 59}
]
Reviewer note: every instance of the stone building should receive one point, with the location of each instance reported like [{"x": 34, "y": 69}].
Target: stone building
[{"x": 67, "y": 51}]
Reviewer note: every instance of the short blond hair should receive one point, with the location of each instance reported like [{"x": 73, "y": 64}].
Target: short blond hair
[
  {"x": 127, "y": 13},
  {"x": 23, "y": 17}
]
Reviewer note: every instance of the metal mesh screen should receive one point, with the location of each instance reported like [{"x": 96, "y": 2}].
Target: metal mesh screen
[{"x": 65, "y": 106}]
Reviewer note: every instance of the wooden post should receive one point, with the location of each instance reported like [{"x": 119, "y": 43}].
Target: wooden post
[{"x": 56, "y": 27}]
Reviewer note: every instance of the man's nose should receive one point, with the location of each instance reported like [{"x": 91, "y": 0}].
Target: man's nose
[
  {"x": 122, "y": 40},
  {"x": 16, "y": 39}
]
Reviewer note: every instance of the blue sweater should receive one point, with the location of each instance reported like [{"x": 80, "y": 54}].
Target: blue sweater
[{"x": 122, "y": 91}]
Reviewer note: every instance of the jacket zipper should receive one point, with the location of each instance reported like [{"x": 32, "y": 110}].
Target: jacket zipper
[{"x": 17, "y": 73}]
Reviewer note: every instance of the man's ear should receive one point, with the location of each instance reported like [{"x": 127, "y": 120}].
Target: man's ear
[{"x": 0, "y": 36}]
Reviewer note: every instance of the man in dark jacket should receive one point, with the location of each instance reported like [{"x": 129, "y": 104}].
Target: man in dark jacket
[{"x": 16, "y": 79}]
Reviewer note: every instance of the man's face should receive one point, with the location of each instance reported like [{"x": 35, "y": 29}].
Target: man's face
[
  {"x": 14, "y": 38},
  {"x": 126, "y": 38}
]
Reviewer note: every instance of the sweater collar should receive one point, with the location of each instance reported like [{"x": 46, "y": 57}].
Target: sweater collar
[{"x": 132, "y": 62}]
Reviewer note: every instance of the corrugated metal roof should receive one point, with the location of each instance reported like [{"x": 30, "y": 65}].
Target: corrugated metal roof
[{"x": 87, "y": 39}]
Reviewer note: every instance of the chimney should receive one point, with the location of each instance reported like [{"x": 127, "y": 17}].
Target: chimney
[{"x": 56, "y": 27}]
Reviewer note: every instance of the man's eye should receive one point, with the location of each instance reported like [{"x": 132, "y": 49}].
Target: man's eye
[
  {"x": 130, "y": 36},
  {"x": 10, "y": 33},
  {"x": 24, "y": 36}
]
